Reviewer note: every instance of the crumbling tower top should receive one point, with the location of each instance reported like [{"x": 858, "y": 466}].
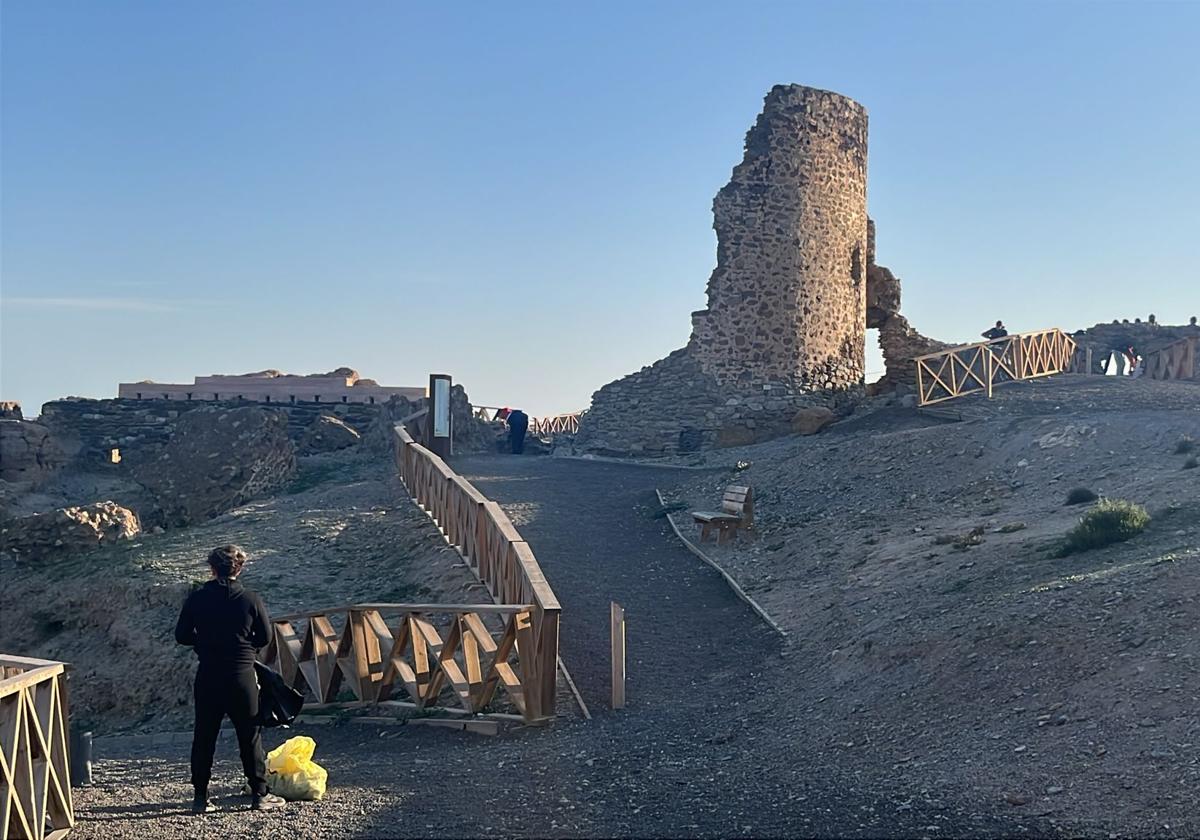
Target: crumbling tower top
[{"x": 787, "y": 300}]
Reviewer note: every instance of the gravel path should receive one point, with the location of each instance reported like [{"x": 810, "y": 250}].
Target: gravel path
[
  {"x": 592, "y": 530},
  {"x": 711, "y": 744}
]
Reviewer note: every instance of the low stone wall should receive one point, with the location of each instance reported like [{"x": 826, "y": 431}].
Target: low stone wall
[
  {"x": 674, "y": 407},
  {"x": 29, "y": 453},
  {"x": 1144, "y": 338},
  {"x": 88, "y": 430}
]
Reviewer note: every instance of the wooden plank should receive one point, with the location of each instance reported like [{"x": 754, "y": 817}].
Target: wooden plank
[
  {"x": 20, "y": 682},
  {"x": 617, "y": 640},
  {"x": 502, "y": 609},
  {"x": 479, "y": 727}
]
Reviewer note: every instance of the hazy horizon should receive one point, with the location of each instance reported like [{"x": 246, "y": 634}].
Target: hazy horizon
[{"x": 521, "y": 196}]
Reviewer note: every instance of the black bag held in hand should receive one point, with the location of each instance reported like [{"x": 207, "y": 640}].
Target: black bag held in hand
[{"x": 278, "y": 702}]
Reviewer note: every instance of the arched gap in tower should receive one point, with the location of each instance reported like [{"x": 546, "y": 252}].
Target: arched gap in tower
[{"x": 875, "y": 366}]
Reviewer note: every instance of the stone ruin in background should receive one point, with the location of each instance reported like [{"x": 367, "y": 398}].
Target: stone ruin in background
[{"x": 795, "y": 288}]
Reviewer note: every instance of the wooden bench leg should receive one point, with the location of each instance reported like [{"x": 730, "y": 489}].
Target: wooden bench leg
[{"x": 703, "y": 531}]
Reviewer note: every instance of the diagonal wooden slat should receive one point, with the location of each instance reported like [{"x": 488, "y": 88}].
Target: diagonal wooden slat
[{"x": 971, "y": 368}]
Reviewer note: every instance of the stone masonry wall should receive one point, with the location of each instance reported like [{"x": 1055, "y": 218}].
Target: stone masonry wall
[
  {"x": 786, "y": 317},
  {"x": 786, "y": 302},
  {"x": 90, "y": 429}
]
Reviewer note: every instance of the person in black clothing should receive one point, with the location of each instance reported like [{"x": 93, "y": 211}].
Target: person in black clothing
[
  {"x": 995, "y": 332},
  {"x": 518, "y": 424},
  {"x": 227, "y": 625}
]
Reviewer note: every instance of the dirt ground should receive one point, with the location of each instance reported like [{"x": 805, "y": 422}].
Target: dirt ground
[
  {"x": 1067, "y": 686},
  {"x": 924, "y": 688},
  {"x": 710, "y": 744},
  {"x": 344, "y": 532}
]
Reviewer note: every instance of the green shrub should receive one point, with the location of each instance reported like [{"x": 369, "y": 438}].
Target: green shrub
[
  {"x": 1109, "y": 521},
  {"x": 1191, "y": 463},
  {"x": 1186, "y": 444},
  {"x": 1080, "y": 495}
]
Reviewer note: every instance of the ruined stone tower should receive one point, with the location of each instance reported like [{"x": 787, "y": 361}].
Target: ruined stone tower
[
  {"x": 787, "y": 300},
  {"x": 786, "y": 318}
]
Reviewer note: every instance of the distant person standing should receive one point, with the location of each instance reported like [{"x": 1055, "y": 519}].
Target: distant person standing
[
  {"x": 995, "y": 332},
  {"x": 227, "y": 625},
  {"x": 518, "y": 425}
]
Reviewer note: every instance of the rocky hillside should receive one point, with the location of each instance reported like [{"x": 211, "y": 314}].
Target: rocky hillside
[
  {"x": 343, "y": 531},
  {"x": 915, "y": 563}
]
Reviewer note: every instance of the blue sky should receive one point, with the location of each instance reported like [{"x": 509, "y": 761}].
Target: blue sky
[{"x": 520, "y": 194}]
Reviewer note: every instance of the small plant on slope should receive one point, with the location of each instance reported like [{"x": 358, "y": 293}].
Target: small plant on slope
[
  {"x": 1109, "y": 521},
  {"x": 1080, "y": 495}
]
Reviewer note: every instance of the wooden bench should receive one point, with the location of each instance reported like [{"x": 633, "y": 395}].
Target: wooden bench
[{"x": 737, "y": 511}]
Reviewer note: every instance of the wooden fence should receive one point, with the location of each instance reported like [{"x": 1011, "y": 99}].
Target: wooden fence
[
  {"x": 441, "y": 655},
  {"x": 35, "y": 782},
  {"x": 564, "y": 424},
  {"x": 560, "y": 424},
  {"x": 1177, "y": 360},
  {"x": 978, "y": 368},
  {"x": 494, "y": 550}
]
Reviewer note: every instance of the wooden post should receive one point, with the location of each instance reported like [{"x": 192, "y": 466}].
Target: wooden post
[
  {"x": 989, "y": 368},
  {"x": 617, "y": 628}
]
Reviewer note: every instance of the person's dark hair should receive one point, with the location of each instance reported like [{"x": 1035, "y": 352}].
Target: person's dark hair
[{"x": 227, "y": 561}]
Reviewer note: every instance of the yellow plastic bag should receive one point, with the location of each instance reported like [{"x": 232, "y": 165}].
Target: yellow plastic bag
[{"x": 291, "y": 772}]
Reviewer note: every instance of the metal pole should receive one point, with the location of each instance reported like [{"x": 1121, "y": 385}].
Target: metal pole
[{"x": 81, "y": 758}]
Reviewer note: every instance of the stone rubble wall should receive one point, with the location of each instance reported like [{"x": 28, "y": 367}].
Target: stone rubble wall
[
  {"x": 29, "y": 453},
  {"x": 674, "y": 407},
  {"x": 1144, "y": 338},
  {"x": 785, "y": 325},
  {"x": 786, "y": 302},
  {"x": 216, "y": 460},
  {"x": 90, "y": 429}
]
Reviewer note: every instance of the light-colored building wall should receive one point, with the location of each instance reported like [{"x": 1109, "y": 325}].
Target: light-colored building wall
[{"x": 281, "y": 389}]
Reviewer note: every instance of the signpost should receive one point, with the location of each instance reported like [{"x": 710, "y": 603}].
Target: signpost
[{"x": 440, "y": 426}]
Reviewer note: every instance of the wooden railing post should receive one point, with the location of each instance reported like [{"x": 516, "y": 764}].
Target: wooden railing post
[{"x": 617, "y": 640}]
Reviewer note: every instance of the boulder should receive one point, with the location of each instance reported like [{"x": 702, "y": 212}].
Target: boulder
[
  {"x": 328, "y": 434},
  {"x": 809, "y": 421},
  {"x": 216, "y": 460},
  {"x": 28, "y": 452},
  {"x": 46, "y": 536},
  {"x": 10, "y": 410}
]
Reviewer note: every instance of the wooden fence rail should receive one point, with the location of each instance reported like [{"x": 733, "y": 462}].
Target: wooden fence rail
[
  {"x": 564, "y": 424},
  {"x": 559, "y": 424},
  {"x": 35, "y": 781},
  {"x": 1178, "y": 360},
  {"x": 494, "y": 550},
  {"x": 440, "y": 655},
  {"x": 978, "y": 368}
]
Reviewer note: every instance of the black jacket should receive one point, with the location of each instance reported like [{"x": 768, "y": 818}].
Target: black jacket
[{"x": 226, "y": 623}]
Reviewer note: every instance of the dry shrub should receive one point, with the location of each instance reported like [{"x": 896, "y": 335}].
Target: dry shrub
[{"x": 1109, "y": 521}]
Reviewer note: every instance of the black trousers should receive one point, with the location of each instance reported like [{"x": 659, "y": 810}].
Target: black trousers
[
  {"x": 516, "y": 437},
  {"x": 233, "y": 695}
]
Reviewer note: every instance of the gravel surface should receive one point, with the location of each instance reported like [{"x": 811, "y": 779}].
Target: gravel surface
[
  {"x": 913, "y": 562},
  {"x": 712, "y": 743}
]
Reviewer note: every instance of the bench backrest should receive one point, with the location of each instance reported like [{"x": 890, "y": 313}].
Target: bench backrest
[{"x": 739, "y": 501}]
